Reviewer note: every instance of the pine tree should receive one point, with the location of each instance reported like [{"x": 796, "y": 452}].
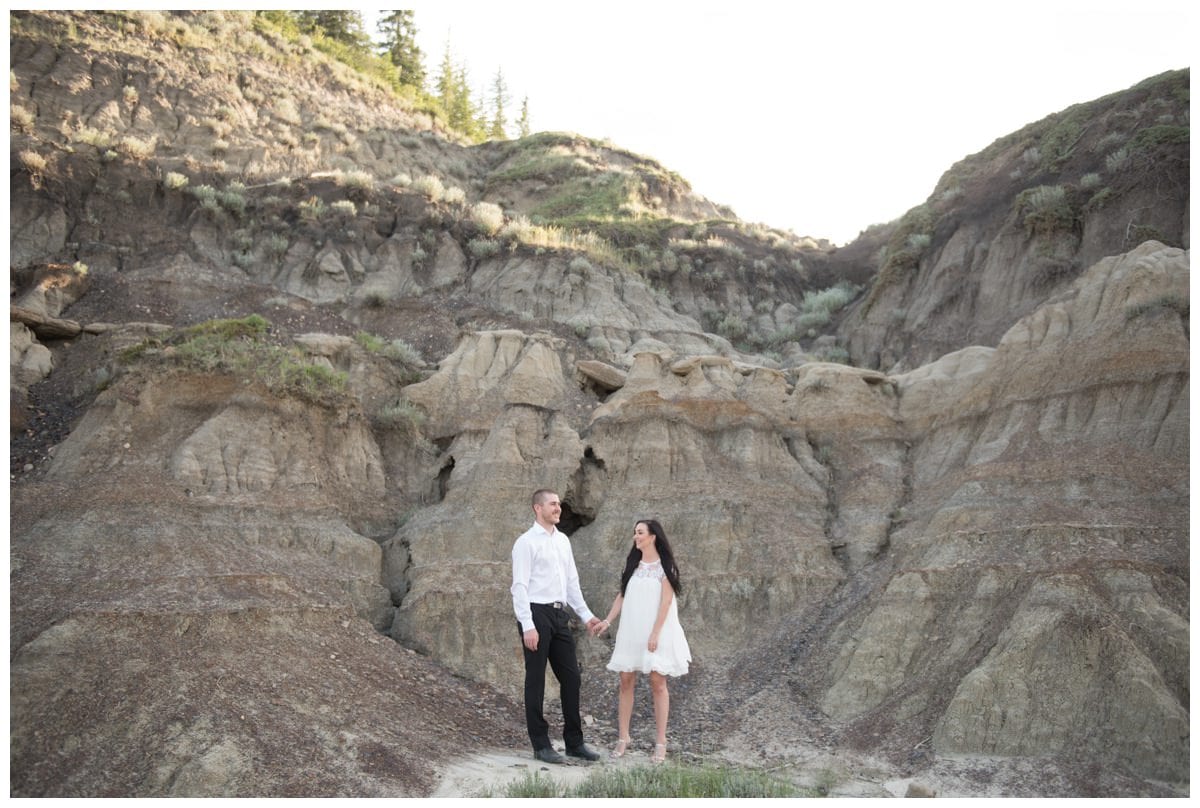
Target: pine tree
[
  {"x": 445, "y": 82},
  {"x": 464, "y": 112},
  {"x": 523, "y": 121},
  {"x": 499, "y": 100},
  {"x": 343, "y": 26},
  {"x": 454, "y": 94},
  {"x": 400, "y": 46}
]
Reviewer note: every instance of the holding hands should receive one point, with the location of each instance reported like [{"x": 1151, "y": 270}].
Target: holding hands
[{"x": 596, "y": 626}]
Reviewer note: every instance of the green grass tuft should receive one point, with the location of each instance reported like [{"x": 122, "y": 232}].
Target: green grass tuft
[
  {"x": 402, "y": 415},
  {"x": 239, "y": 347},
  {"x": 668, "y": 780},
  {"x": 1046, "y": 209}
]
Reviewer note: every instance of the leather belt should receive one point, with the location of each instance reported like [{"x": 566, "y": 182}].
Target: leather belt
[{"x": 558, "y": 604}]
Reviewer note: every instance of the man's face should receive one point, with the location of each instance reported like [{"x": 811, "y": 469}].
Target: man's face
[{"x": 549, "y": 511}]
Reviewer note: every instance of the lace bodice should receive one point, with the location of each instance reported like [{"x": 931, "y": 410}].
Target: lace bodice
[{"x": 653, "y": 570}]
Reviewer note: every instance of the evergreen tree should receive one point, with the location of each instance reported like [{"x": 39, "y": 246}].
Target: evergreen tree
[
  {"x": 523, "y": 121},
  {"x": 453, "y": 92},
  {"x": 400, "y": 46},
  {"x": 464, "y": 112},
  {"x": 342, "y": 26},
  {"x": 499, "y": 99},
  {"x": 445, "y": 82}
]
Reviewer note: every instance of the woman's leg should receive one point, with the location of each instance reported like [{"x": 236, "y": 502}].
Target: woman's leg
[
  {"x": 625, "y": 703},
  {"x": 662, "y": 705}
]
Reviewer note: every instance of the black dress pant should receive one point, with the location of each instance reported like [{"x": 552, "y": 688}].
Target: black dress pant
[{"x": 556, "y": 645}]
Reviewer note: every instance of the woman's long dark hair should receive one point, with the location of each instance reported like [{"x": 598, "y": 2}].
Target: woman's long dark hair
[{"x": 664, "y": 553}]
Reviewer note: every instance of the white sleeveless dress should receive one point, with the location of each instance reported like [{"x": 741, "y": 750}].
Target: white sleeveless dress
[{"x": 639, "y": 610}]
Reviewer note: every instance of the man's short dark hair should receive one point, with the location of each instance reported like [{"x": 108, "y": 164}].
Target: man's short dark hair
[{"x": 540, "y": 496}]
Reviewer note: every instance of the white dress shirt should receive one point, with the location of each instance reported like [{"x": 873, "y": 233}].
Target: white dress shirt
[{"x": 544, "y": 572}]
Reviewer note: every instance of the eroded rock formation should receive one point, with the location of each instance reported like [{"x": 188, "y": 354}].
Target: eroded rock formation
[
  {"x": 1022, "y": 499},
  {"x": 1000, "y": 537},
  {"x": 1017, "y": 223},
  {"x": 224, "y": 586},
  {"x": 1035, "y": 589}
]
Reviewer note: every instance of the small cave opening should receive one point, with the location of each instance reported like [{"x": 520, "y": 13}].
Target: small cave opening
[
  {"x": 570, "y": 521},
  {"x": 589, "y": 456},
  {"x": 443, "y": 480},
  {"x": 597, "y": 388}
]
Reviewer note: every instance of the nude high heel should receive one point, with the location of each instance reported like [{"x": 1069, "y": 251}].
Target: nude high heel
[
  {"x": 660, "y": 753},
  {"x": 619, "y": 749}
]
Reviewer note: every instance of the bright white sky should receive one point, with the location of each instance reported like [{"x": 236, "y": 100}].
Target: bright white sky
[{"x": 819, "y": 118}]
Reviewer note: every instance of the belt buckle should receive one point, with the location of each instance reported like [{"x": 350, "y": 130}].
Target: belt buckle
[{"x": 558, "y": 604}]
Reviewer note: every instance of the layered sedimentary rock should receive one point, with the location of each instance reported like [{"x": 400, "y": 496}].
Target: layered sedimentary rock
[
  {"x": 1034, "y": 598},
  {"x": 1022, "y": 503},
  {"x": 196, "y": 611},
  {"x": 1017, "y": 223},
  {"x": 986, "y": 555}
]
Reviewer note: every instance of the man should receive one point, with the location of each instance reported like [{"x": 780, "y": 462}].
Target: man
[{"x": 545, "y": 581}]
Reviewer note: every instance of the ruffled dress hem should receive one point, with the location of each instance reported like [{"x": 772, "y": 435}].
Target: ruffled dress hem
[{"x": 649, "y": 669}]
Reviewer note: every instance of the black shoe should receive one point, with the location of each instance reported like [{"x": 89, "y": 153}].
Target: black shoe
[
  {"x": 548, "y": 755},
  {"x": 582, "y": 751}
]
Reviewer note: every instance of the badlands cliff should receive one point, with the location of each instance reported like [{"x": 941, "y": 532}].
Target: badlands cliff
[{"x": 270, "y": 450}]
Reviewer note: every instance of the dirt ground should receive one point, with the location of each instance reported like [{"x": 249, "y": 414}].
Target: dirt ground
[{"x": 705, "y": 730}]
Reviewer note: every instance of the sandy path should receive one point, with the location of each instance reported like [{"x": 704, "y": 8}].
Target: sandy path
[
  {"x": 491, "y": 771},
  {"x": 494, "y": 769}
]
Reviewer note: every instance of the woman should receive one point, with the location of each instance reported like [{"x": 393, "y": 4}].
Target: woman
[{"x": 649, "y": 639}]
